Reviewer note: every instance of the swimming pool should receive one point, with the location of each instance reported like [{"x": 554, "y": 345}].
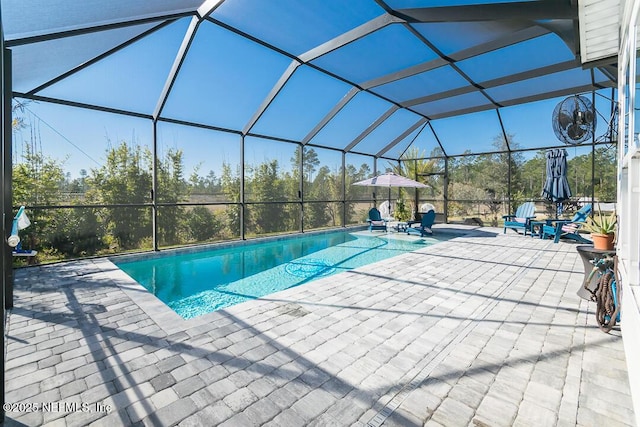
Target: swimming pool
[{"x": 200, "y": 282}]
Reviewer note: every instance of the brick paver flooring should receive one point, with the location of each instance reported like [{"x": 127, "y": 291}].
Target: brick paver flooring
[{"x": 484, "y": 330}]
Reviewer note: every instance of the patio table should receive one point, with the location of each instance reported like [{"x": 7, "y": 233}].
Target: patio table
[
  {"x": 398, "y": 226},
  {"x": 535, "y": 228}
]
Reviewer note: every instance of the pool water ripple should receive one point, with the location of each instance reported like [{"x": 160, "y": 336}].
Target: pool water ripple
[{"x": 309, "y": 267}]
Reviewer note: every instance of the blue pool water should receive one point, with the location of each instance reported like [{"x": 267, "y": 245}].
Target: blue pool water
[{"x": 193, "y": 284}]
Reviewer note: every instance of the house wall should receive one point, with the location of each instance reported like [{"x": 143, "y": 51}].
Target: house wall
[
  {"x": 628, "y": 246},
  {"x": 599, "y": 36}
]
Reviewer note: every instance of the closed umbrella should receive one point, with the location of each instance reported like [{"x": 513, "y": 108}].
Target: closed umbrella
[
  {"x": 389, "y": 180},
  {"x": 556, "y": 187}
]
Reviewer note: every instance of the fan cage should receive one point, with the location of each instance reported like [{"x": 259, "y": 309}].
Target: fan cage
[{"x": 574, "y": 120}]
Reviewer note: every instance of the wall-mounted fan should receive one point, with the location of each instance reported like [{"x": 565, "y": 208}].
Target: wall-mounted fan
[{"x": 574, "y": 120}]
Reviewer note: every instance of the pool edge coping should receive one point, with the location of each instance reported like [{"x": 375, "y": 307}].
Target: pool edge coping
[{"x": 169, "y": 320}]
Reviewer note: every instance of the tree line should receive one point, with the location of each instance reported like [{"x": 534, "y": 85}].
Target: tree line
[
  {"x": 481, "y": 182},
  {"x": 111, "y": 203}
]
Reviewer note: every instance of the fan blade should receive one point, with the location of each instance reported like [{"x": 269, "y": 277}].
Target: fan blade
[
  {"x": 575, "y": 132},
  {"x": 588, "y": 117},
  {"x": 565, "y": 120}
]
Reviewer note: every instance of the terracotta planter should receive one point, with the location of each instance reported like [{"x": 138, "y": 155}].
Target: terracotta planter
[{"x": 603, "y": 241}]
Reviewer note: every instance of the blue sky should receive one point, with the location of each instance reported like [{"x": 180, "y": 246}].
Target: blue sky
[
  {"x": 225, "y": 78},
  {"x": 81, "y": 137}
]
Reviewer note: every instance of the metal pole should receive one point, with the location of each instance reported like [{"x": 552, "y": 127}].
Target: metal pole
[
  {"x": 417, "y": 192},
  {"x": 344, "y": 189},
  {"x": 375, "y": 172},
  {"x": 7, "y": 190},
  {"x": 446, "y": 190},
  {"x": 242, "y": 201},
  {"x": 509, "y": 205},
  {"x": 301, "y": 187},
  {"x": 6, "y": 197},
  {"x": 154, "y": 188},
  {"x": 593, "y": 154}
]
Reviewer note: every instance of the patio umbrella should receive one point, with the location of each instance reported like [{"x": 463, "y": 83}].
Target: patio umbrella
[
  {"x": 556, "y": 187},
  {"x": 389, "y": 180}
]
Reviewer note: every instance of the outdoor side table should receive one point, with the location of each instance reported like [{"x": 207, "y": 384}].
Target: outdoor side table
[
  {"x": 588, "y": 253},
  {"x": 402, "y": 226},
  {"x": 536, "y": 225},
  {"x": 398, "y": 226}
]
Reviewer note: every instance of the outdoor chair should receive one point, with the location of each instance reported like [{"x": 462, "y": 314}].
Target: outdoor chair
[
  {"x": 424, "y": 226},
  {"x": 375, "y": 220},
  {"x": 385, "y": 209},
  {"x": 426, "y": 207},
  {"x": 563, "y": 228},
  {"x": 521, "y": 218}
]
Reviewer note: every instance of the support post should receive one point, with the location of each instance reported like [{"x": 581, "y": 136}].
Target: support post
[
  {"x": 154, "y": 188},
  {"x": 509, "y": 202},
  {"x": 5, "y": 198},
  {"x": 301, "y": 186},
  {"x": 344, "y": 189},
  {"x": 445, "y": 192},
  {"x": 243, "y": 213}
]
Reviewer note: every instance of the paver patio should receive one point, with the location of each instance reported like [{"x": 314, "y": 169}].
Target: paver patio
[{"x": 485, "y": 329}]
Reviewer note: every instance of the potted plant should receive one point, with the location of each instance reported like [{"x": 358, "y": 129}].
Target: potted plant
[
  {"x": 401, "y": 213},
  {"x": 602, "y": 229}
]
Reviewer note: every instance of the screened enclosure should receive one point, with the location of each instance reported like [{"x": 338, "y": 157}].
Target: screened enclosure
[{"x": 142, "y": 125}]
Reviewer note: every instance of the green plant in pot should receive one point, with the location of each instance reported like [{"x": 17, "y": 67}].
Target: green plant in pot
[
  {"x": 402, "y": 212},
  {"x": 603, "y": 230}
]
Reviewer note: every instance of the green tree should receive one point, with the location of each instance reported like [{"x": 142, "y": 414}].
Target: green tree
[
  {"x": 487, "y": 174},
  {"x": 310, "y": 162},
  {"x": 268, "y": 217},
  {"x": 414, "y": 164},
  {"x": 605, "y": 179},
  {"x": 533, "y": 175},
  {"x": 17, "y": 119},
  {"x": 335, "y": 189},
  {"x": 604, "y": 182},
  {"x": 36, "y": 182},
  {"x": 202, "y": 224},
  {"x": 230, "y": 183},
  {"x": 324, "y": 188},
  {"x": 209, "y": 184},
  {"x": 172, "y": 188},
  {"x": 75, "y": 232},
  {"x": 354, "y": 193},
  {"x": 37, "y": 179},
  {"x": 125, "y": 178},
  {"x": 494, "y": 169}
]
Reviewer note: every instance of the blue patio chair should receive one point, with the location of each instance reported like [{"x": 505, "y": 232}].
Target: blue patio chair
[
  {"x": 564, "y": 228},
  {"x": 521, "y": 219},
  {"x": 424, "y": 227},
  {"x": 375, "y": 220}
]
